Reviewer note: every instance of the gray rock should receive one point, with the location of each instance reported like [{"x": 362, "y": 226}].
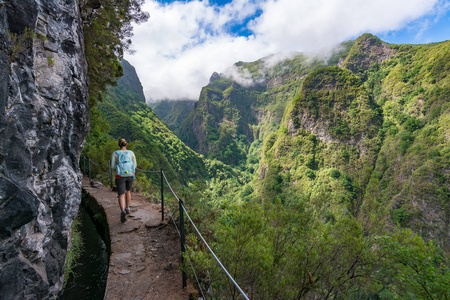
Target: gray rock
[
  {"x": 120, "y": 257},
  {"x": 44, "y": 121}
]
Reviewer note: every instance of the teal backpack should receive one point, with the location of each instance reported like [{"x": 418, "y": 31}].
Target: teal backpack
[{"x": 125, "y": 167}]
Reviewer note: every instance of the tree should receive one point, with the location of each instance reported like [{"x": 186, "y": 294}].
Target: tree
[
  {"x": 107, "y": 34},
  {"x": 412, "y": 268}
]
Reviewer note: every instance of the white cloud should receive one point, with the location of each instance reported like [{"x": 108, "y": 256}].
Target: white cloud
[
  {"x": 308, "y": 25},
  {"x": 183, "y": 43}
]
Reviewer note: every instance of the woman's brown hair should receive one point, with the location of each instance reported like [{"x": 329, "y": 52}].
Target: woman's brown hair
[{"x": 122, "y": 143}]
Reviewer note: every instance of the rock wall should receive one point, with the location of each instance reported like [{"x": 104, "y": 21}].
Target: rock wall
[{"x": 44, "y": 121}]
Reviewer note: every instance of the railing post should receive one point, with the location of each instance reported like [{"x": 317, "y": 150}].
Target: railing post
[
  {"x": 89, "y": 169},
  {"x": 162, "y": 195},
  {"x": 110, "y": 173},
  {"x": 183, "y": 242},
  {"x": 84, "y": 165}
]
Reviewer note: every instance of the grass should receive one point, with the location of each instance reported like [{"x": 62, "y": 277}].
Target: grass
[{"x": 74, "y": 251}]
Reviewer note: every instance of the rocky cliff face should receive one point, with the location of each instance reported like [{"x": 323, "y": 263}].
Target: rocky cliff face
[
  {"x": 367, "y": 50},
  {"x": 44, "y": 121}
]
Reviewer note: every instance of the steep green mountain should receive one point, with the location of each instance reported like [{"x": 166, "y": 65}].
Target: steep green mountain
[
  {"x": 173, "y": 113},
  {"x": 370, "y": 139},
  {"x": 124, "y": 113},
  {"x": 231, "y": 114}
]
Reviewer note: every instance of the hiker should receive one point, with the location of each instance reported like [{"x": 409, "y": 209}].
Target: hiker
[{"x": 123, "y": 162}]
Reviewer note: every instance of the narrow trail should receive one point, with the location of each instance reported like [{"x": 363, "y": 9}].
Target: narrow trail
[{"x": 145, "y": 251}]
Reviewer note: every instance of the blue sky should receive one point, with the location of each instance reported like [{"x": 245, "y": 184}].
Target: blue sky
[
  {"x": 424, "y": 30},
  {"x": 184, "y": 42}
]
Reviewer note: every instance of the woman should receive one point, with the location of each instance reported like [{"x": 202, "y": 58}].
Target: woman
[{"x": 123, "y": 162}]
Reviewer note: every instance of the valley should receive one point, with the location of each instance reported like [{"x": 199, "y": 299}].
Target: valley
[{"x": 312, "y": 177}]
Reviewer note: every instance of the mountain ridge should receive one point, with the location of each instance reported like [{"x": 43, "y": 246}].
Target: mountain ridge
[{"x": 381, "y": 78}]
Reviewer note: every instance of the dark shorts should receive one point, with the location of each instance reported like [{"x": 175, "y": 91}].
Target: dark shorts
[{"x": 124, "y": 184}]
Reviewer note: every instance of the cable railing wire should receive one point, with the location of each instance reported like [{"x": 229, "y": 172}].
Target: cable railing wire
[
  {"x": 148, "y": 171},
  {"x": 96, "y": 164},
  {"x": 204, "y": 241},
  {"x": 190, "y": 262},
  {"x": 187, "y": 254},
  {"x": 195, "y": 275}
]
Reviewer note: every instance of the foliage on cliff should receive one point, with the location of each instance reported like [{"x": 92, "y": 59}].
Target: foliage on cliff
[
  {"x": 173, "y": 113},
  {"x": 377, "y": 147},
  {"x": 332, "y": 126}
]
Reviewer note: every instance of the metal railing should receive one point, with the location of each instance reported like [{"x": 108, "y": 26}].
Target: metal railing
[{"x": 180, "y": 230}]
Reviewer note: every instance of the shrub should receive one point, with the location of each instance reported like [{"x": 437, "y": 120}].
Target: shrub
[
  {"x": 335, "y": 173},
  {"x": 311, "y": 163},
  {"x": 310, "y": 174},
  {"x": 345, "y": 154},
  {"x": 406, "y": 140},
  {"x": 412, "y": 124},
  {"x": 400, "y": 215}
]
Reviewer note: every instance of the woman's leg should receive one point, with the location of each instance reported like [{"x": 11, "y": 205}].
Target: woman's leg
[
  {"x": 128, "y": 198},
  {"x": 129, "y": 186},
  {"x": 122, "y": 202},
  {"x": 120, "y": 183}
]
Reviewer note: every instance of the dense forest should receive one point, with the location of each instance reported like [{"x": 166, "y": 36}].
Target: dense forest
[
  {"x": 173, "y": 113},
  {"x": 324, "y": 178}
]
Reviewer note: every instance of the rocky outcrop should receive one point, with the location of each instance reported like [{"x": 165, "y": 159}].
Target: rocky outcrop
[
  {"x": 367, "y": 50},
  {"x": 44, "y": 121}
]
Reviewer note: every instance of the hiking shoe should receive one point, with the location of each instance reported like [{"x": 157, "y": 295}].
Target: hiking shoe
[
  {"x": 122, "y": 216},
  {"x": 127, "y": 210}
]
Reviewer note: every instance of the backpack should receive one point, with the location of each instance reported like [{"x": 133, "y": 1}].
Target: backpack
[{"x": 125, "y": 167}]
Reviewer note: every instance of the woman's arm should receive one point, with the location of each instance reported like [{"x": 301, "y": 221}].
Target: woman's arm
[
  {"x": 133, "y": 159},
  {"x": 113, "y": 161}
]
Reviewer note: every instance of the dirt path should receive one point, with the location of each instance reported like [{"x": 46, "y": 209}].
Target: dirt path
[{"x": 145, "y": 251}]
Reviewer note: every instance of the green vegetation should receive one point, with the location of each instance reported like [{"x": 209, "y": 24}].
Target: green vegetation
[
  {"x": 288, "y": 252},
  {"x": 74, "y": 251},
  {"x": 173, "y": 113},
  {"x": 351, "y": 196},
  {"x": 230, "y": 116},
  {"x": 50, "y": 61},
  {"x": 319, "y": 182},
  {"x": 19, "y": 43}
]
